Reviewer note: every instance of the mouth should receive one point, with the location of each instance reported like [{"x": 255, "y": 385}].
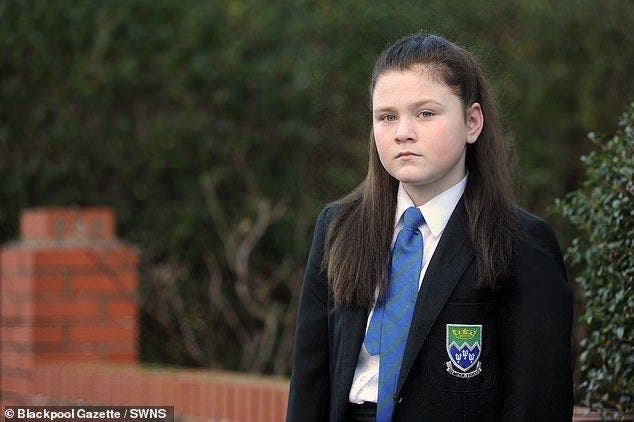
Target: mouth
[{"x": 406, "y": 154}]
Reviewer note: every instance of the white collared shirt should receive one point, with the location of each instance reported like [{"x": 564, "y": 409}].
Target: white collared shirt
[{"x": 436, "y": 212}]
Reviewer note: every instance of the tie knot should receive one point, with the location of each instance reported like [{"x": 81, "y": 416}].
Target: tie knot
[{"x": 412, "y": 218}]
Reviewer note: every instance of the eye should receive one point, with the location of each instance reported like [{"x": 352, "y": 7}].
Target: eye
[
  {"x": 426, "y": 114},
  {"x": 388, "y": 117}
]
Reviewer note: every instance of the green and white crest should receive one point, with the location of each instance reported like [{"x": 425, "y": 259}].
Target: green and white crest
[{"x": 464, "y": 347}]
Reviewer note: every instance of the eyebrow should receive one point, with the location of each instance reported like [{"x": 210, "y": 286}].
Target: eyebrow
[{"x": 413, "y": 105}]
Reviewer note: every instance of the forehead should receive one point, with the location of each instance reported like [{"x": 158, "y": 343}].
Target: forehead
[{"x": 396, "y": 87}]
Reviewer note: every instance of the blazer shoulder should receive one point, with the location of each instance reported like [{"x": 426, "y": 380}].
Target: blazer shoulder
[
  {"x": 331, "y": 209},
  {"x": 537, "y": 235},
  {"x": 324, "y": 219},
  {"x": 326, "y": 215},
  {"x": 533, "y": 226}
]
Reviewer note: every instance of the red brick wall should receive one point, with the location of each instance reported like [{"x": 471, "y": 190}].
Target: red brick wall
[{"x": 195, "y": 394}]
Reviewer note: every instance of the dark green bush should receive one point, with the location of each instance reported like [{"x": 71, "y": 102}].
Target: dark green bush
[{"x": 602, "y": 211}]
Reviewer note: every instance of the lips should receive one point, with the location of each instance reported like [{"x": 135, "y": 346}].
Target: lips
[{"x": 405, "y": 154}]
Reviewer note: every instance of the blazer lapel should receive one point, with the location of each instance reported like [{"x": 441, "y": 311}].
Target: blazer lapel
[
  {"x": 451, "y": 257},
  {"x": 353, "y": 323}
]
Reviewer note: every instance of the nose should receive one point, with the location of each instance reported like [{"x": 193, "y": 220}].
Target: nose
[{"x": 405, "y": 131}]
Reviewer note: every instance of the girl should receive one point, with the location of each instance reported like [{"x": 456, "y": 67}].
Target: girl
[{"x": 428, "y": 295}]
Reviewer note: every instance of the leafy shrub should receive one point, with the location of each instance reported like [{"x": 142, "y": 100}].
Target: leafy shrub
[{"x": 602, "y": 211}]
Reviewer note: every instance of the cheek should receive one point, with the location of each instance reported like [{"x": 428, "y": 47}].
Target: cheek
[
  {"x": 446, "y": 142},
  {"x": 381, "y": 140}
]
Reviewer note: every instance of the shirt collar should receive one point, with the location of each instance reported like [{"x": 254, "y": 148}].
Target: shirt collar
[{"x": 436, "y": 211}]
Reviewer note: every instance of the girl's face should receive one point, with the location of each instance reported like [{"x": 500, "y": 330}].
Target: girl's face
[{"x": 421, "y": 130}]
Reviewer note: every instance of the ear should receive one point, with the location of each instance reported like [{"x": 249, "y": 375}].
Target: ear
[{"x": 475, "y": 122}]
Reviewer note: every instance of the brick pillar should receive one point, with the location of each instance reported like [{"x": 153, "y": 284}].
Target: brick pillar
[{"x": 67, "y": 293}]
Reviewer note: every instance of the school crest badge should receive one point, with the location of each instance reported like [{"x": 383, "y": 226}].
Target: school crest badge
[{"x": 464, "y": 346}]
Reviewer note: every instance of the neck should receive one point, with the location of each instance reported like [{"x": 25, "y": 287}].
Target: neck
[
  {"x": 421, "y": 194},
  {"x": 418, "y": 198}
]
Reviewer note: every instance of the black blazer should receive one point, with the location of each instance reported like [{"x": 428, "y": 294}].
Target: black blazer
[{"x": 526, "y": 326}]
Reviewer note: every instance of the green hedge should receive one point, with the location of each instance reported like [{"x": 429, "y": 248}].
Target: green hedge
[{"x": 602, "y": 212}]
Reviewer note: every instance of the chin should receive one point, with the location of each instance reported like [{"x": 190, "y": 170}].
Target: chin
[{"x": 411, "y": 179}]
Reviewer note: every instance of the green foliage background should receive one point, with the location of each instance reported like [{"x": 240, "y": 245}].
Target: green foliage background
[
  {"x": 192, "y": 116},
  {"x": 602, "y": 211}
]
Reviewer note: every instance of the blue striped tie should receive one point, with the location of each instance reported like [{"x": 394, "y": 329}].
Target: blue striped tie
[{"x": 387, "y": 333}]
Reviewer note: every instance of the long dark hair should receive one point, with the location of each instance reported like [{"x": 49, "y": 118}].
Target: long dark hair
[{"x": 359, "y": 237}]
